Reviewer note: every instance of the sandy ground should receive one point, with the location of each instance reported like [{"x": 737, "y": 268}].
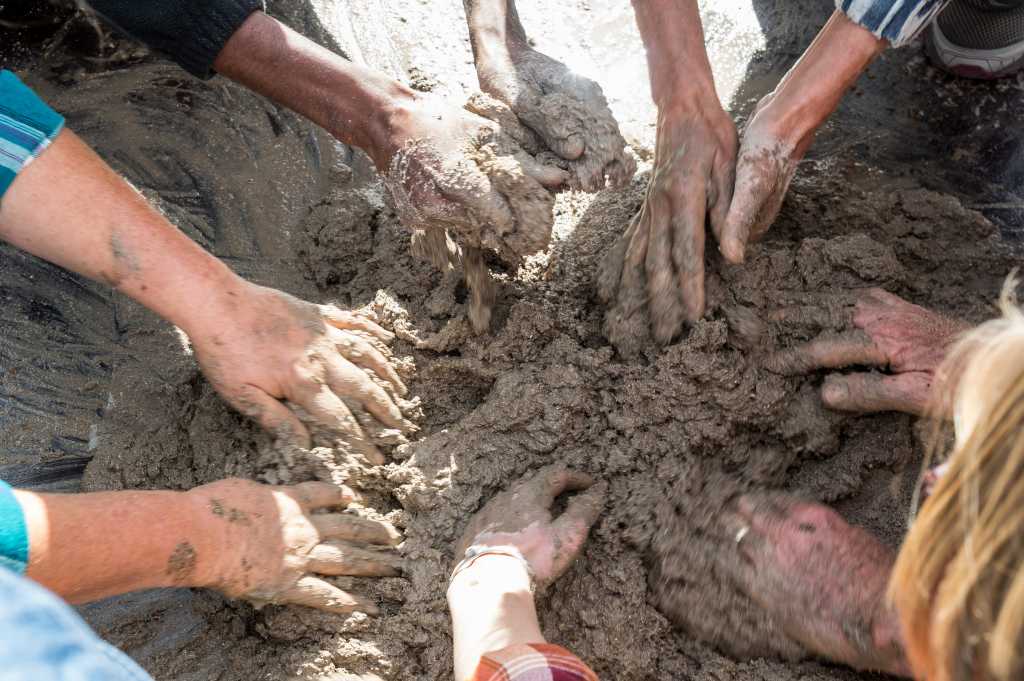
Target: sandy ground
[{"x": 87, "y": 376}]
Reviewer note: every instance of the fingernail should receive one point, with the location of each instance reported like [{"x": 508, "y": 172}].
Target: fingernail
[
  {"x": 835, "y": 393},
  {"x": 733, "y": 251}
]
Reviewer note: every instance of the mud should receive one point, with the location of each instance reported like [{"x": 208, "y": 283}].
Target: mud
[{"x": 675, "y": 432}]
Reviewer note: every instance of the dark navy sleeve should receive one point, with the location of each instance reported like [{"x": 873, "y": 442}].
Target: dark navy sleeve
[{"x": 191, "y": 32}]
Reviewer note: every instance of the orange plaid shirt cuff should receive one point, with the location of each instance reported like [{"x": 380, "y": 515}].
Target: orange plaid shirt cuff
[{"x": 532, "y": 662}]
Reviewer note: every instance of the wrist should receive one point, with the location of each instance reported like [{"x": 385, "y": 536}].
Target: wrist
[
  {"x": 384, "y": 134},
  {"x": 491, "y": 573},
  {"x": 213, "y": 549},
  {"x": 224, "y": 296}
]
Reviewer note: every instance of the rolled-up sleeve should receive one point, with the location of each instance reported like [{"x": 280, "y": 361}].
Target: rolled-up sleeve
[
  {"x": 191, "y": 32},
  {"x": 898, "y": 21}
]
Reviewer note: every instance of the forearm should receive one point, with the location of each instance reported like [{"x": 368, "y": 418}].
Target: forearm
[
  {"x": 492, "y": 608},
  {"x": 70, "y": 208},
  {"x": 355, "y": 104},
  {"x": 677, "y": 60},
  {"x": 494, "y": 26},
  {"x": 89, "y": 546},
  {"x": 814, "y": 86}
]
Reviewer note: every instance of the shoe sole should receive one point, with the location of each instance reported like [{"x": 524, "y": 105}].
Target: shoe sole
[{"x": 971, "y": 63}]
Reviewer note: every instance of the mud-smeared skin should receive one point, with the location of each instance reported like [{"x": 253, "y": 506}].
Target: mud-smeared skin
[
  {"x": 887, "y": 332},
  {"x": 657, "y": 265},
  {"x": 486, "y": 192},
  {"x": 823, "y": 580},
  {"x": 522, "y": 517},
  {"x": 568, "y": 112}
]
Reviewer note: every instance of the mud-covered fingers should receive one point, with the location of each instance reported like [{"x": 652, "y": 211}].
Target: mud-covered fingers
[
  {"x": 572, "y": 527},
  {"x": 828, "y": 351},
  {"x": 545, "y": 487},
  {"x": 558, "y": 124},
  {"x": 353, "y": 528},
  {"x": 350, "y": 321},
  {"x": 549, "y": 176},
  {"x": 497, "y": 111},
  {"x": 273, "y": 416},
  {"x": 870, "y": 393},
  {"x": 327, "y": 409},
  {"x": 313, "y": 592},
  {"x": 688, "y": 220},
  {"x": 720, "y": 192},
  {"x": 756, "y": 178},
  {"x": 481, "y": 208},
  {"x": 610, "y": 272},
  {"x": 314, "y": 495},
  {"x": 664, "y": 302},
  {"x": 336, "y": 558},
  {"x": 362, "y": 353},
  {"x": 349, "y": 381}
]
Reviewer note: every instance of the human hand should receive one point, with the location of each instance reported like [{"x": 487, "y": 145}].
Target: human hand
[
  {"x": 822, "y": 580},
  {"x": 448, "y": 168},
  {"x": 267, "y": 347},
  {"x": 265, "y": 544},
  {"x": 888, "y": 332},
  {"x": 521, "y": 517},
  {"x": 769, "y": 154},
  {"x": 567, "y": 112},
  {"x": 659, "y": 260}
]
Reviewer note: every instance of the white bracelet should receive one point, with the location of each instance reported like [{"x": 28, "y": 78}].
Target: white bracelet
[{"x": 474, "y": 552}]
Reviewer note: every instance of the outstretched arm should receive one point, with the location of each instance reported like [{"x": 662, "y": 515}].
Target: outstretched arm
[
  {"x": 257, "y": 346},
  {"x": 242, "y": 538}
]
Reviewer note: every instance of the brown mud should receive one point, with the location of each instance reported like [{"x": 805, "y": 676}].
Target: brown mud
[{"x": 676, "y": 432}]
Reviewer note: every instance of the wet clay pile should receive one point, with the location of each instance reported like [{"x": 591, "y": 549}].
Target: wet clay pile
[{"x": 676, "y": 432}]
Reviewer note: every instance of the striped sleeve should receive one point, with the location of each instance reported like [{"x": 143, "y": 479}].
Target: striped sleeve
[
  {"x": 532, "y": 662},
  {"x": 27, "y": 126},
  {"x": 898, "y": 21}
]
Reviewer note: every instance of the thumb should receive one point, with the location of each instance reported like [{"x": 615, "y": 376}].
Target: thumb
[
  {"x": 747, "y": 197},
  {"x": 273, "y": 416},
  {"x": 572, "y": 527}
]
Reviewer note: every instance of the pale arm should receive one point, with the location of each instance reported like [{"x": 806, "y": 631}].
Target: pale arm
[{"x": 242, "y": 538}]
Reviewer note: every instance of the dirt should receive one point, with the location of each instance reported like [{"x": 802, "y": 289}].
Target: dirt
[{"x": 675, "y": 432}]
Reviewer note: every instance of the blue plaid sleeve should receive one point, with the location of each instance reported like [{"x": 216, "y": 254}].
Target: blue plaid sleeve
[
  {"x": 27, "y": 126},
  {"x": 898, "y": 21}
]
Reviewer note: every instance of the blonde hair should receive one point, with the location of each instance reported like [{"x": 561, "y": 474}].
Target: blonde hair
[{"x": 958, "y": 582}]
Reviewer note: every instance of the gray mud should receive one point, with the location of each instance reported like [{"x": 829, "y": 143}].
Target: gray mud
[{"x": 676, "y": 432}]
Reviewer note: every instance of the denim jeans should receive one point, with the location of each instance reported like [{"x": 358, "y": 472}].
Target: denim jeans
[{"x": 43, "y": 639}]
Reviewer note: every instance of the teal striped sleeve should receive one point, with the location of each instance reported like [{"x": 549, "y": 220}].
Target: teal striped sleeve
[
  {"x": 27, "y": 126},
  {"x": 13, "y": 532}
]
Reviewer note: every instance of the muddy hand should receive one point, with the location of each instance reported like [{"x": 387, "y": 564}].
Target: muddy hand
[
  {"x": 521, "y": 517},
  {"x": 887, "y": 332},
  {"x": 768, "y": 158},
  {"x": 659, "y": 261},
  {"x": 823, "y": 580},
  {"x": 269, "y": 547},
  {"x": 448, "y": 168},
  {"x": 566, "y": 111},
  {"x": 274, "y": 347}
]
